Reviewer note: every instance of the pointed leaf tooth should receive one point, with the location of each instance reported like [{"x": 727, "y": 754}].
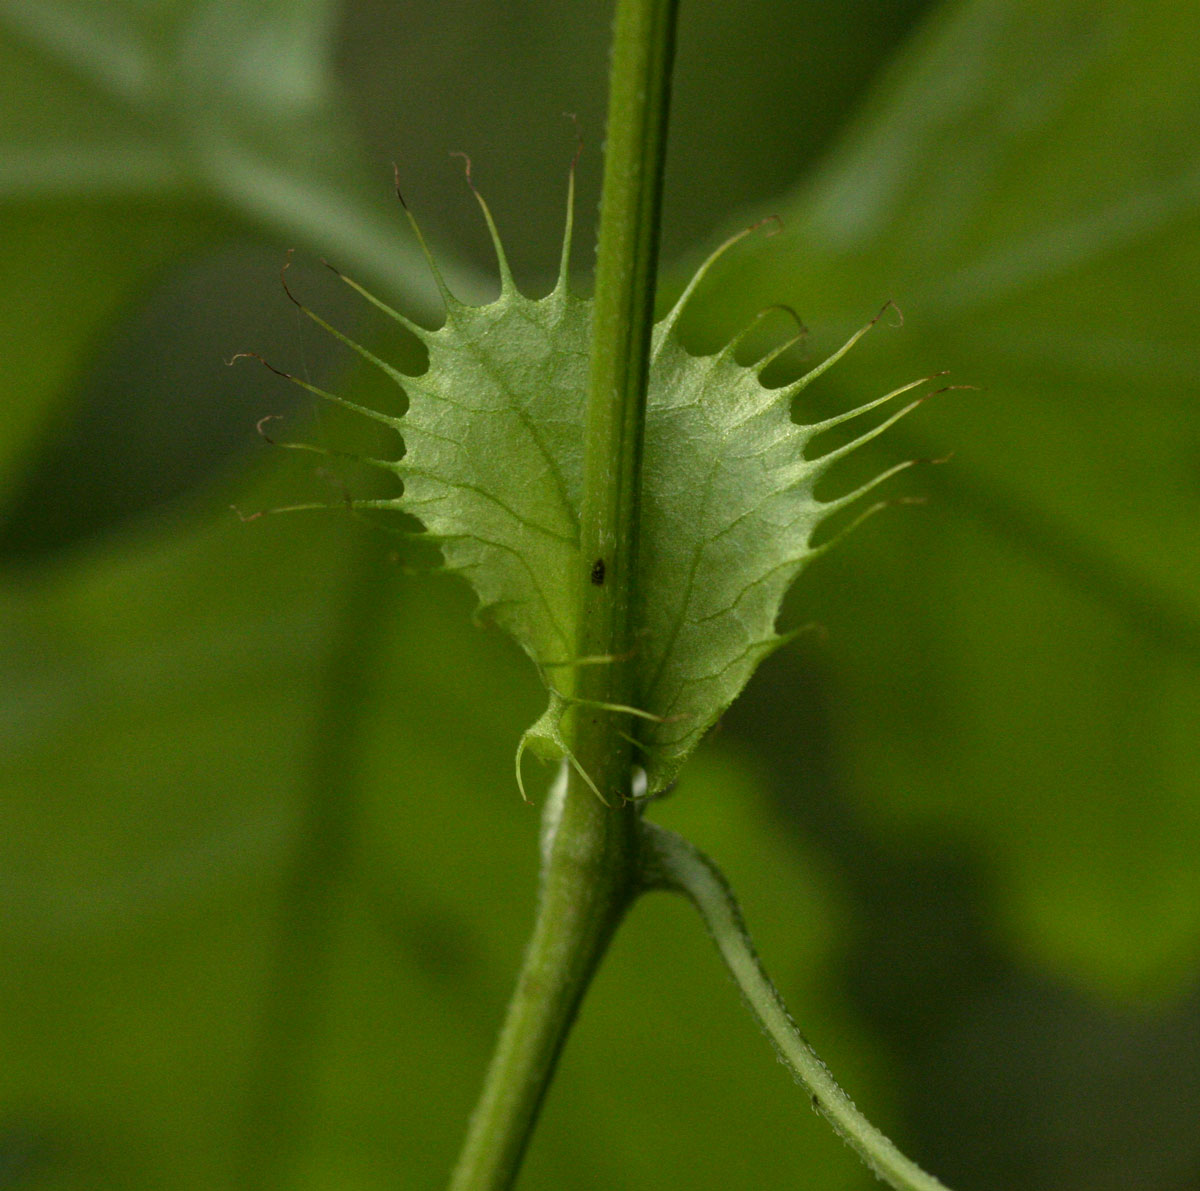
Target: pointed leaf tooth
[
  {"x": 384, "y": 502},
  {"x": 583, "y": 773},
  {"x": 419, "y": 331},
  {"x": 405, "y": 382},
  {"x": 789, "y": 391},
  {"x": 507, "y": 284},
  {"x": 352, "y": 504},
  {"x": 829, "y": 507},
  {"x": 449, "y": 300},
  {"x": 387, "y": 465},
  {"x": 842, "y": 534},
  {"x": 332, "y": 453},
  {"x": 830, "y": 457},
  {"x": 824, "y": 462},
  {"x": 563, "y": 285},
  {"x": 667, "y": 325},
  {"x": 815, "y": 428},
  {"x": 394, "y": 373},
  {"x": 783, "y": 396},
  {"x": 761, "y": 366},
  {"x": 727, "y": 352},
  {"x": 522, "y": 745},
  {"x": 375, "y": 416}
]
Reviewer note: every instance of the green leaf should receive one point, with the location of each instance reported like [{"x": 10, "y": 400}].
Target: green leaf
[
  {"x": 1025, "y": 187},
  {"x": 493, "y": 468},
  {"x": 228, "y": 107},
  {"x": 158, "y": 760},
  {"x": 76, "y": 273}
]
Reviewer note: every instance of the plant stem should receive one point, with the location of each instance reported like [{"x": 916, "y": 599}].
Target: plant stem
[
  {"x": 586, "y": 886},
  {"x": 590, "y": 864},
  {"x": 671, "y": 862},
  {"x": 620, "y": 351}
]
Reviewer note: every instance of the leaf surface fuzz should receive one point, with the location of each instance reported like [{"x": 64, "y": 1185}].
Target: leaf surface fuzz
[{"x": 493, "y": 468}]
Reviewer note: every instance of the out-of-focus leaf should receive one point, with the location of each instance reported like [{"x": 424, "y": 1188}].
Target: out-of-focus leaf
[
  {"x": 1025, "y": 188},
  {"x": 228, "y": 105},
  {"x": 158, "y": 754},
  {"x": 199, "y": 117},
  {"x": 994, "y": 670},
  {"x": 69, "y": 275}
]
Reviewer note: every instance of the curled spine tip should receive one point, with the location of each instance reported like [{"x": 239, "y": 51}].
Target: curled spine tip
[
  {"x": 895, "y": 323},
  {"x": 448, "y": 299},
  {"x": 665, "y": 327},
  {"x": 283, "y": 269},
  {"x": 266, "y": 364},
  {"x": 258, "y": 426},
  {"x": 466, "y": 160},
  {"x": 396, "y": 185},
  {"x": 815, "y": 428},
  {"x": 800, "y": 333},
  {"x": 420, "y": 332},
  {"x": 325, "y": 395},
  {"x": 507, "y": 284},
  {"x": 393, "y": 373}
]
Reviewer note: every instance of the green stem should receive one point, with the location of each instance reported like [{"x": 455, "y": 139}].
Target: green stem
[
  {"x": 586, "y": 886},
  {"x": 622, "y": 325},
  {"x": 671, "y": 862},
  {"x": 590, "y": 863}
]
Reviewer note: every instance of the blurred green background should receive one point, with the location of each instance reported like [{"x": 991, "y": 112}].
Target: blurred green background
[{"x": 264, "y": 874}]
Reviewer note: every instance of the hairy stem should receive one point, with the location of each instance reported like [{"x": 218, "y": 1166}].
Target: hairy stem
[
  {"x": 590, "y": 861},
  {"x": 670, "y": 862},
  {"x": 586, "y": 886}
]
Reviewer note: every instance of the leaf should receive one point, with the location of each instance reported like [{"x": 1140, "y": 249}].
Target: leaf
[
  {"x": 76, "y": 273},
  {"x": 1018, "y": 662},
  {"x": 493, "y": 468},
  {"x": 158, "y": 758},
  {"x": 201, "y": 117},
  {"x": 228, "y": 107}
]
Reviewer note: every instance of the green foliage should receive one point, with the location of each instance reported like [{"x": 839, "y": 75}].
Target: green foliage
[
  {"x": 1044, "y": 242},
  {"x": 493, "y": 468},
  {"x": 1004, "y": 705}
]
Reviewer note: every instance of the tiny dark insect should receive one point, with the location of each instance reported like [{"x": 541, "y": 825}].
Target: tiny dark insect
[{"x": 598, "y": 572}]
